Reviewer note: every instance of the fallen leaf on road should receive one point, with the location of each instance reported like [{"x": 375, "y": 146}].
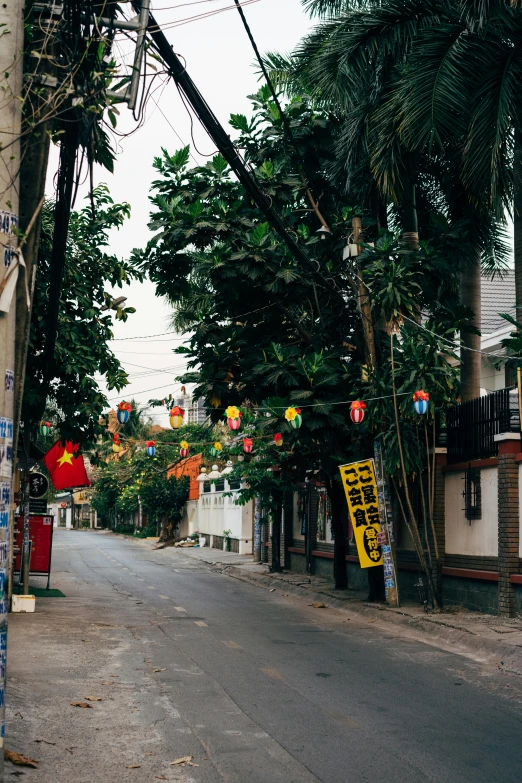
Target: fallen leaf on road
[
  {"x": 191, "y": 763},
  {"x": 148, "y": 753},
  {"x": 70, "y": 750},
  {"x": 182, "y": 760},
  {"x": 46, "y": 742},
  {"x": 83, "y": 704},
  {"x": 133, "y": 766},
  {"x": 272, "y": 589},
  {"x": 17, "y": 758},
  {"x": 159, "y": 670},
  {"x": 285, "y": 595},
  {"x": 109, "y": 682},
  {"x": 319, "y": 606},
  {"x": 19, "y": 715},
  {"x": 93, "y": 698},
  {"x": 160, "y": 777}
]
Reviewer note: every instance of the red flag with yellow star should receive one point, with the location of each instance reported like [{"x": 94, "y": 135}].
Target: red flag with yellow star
[{"x": 66, "y": 466}]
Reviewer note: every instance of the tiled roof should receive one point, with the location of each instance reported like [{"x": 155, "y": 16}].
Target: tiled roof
[{"x": 498, "y": 296}]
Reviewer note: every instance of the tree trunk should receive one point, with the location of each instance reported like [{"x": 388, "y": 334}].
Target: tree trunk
[
  {"x": 364, "y": 305},
  {"x": 276, "y": 536},
  {"x": 517, "y": 219},
  {"x": 470, "y": 359},
  {"x": 336, "y": 495},
  {"x": 410, "y": 225},
  {"x": 376, "y": 591}
]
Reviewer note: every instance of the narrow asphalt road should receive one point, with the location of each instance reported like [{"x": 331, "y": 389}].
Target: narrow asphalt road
[{"x": 256, "y": 687}]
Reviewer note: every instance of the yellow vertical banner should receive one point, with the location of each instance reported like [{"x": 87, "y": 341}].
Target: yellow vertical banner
[{"x": 360, "y": 487}]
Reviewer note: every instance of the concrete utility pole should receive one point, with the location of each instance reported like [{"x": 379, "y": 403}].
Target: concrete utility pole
[{"x": 11, "y": 79}]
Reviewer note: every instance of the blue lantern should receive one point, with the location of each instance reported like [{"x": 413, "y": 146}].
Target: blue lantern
[
  {"x": 420, "y": 402},
  {"x": 123, "y": 412},
  {"x": 151, "y": 448}
]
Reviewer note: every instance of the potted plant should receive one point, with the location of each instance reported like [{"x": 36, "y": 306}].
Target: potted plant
[{"x": 226, "y": 540}]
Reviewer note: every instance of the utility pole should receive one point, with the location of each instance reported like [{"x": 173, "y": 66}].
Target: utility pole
[{"x": 11, "y": 82}]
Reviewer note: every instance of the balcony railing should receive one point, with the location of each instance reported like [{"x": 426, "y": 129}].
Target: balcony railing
[{"x": 468, "y": 430}]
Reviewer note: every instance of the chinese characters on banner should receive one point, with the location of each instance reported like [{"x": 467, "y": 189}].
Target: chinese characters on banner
[{"x": 360, "y": 488}]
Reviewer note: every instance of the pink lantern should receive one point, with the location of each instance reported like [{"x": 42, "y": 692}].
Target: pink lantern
[
  {"x": 233, "y": 415},
  {"x": 247, "y": 445}
]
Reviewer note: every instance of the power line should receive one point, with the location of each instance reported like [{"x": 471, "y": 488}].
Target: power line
[
  {"x": 145, "y": 337},
  {"x": 220, "y": 137}
]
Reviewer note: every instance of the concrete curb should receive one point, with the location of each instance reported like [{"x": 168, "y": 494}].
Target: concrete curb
[{"x": 507, "y": 657}]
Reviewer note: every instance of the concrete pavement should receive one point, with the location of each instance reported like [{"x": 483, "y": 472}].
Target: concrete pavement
[{"x": 256, "y": 686}]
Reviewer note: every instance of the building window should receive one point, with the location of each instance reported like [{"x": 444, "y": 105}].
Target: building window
[
  {"x": 472, "y": 494},
  {"x": 234, "y": 484},
  {"x": 220, "y": 485},
  {"x": 206, "y": 486}
]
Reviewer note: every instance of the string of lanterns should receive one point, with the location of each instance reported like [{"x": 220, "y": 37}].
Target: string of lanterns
[{"x": 233, "y": 416}]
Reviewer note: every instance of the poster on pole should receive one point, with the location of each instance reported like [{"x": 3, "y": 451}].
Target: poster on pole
[
  {"x": 388, "y": 534},
  {"x": 360, "y": 487}
]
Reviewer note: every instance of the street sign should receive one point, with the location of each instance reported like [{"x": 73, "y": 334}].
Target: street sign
[
  {"x": 38, "y": 506},
  {"x": 38, "y": 485}
]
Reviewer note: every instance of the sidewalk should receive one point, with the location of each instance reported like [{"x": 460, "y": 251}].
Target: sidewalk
[{"x": 484, "y": 637}]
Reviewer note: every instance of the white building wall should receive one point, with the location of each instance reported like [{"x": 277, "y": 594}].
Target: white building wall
[
  {"x": 480, "y": 536},
  {"x": 216, "y": 513}
]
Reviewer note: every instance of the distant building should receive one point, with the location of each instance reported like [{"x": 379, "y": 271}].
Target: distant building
[
  {"x": 195, "y": 412},
  {"x": 497, "y": 296}
]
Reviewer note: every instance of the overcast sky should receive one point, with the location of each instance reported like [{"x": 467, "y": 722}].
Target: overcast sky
[{"x": 219, "y": 59}]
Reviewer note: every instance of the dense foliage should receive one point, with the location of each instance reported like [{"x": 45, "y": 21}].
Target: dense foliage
[
  {"x": 133, "y": 478},
  {"x": 267, "y": 333},
  {"x": 84, "y": 330}
]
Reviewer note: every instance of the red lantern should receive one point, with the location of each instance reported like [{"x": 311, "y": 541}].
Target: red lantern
[
  {"x": 357, "y": 411},
  {"x": 278, "y": 439},
  {"x": 184, "y": 450},
  {"x": 247, "y": 445}
]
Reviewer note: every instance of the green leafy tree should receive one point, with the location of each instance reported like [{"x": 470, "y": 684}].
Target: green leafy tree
[
  {"x": 424, "y": 118},
  {"x": 267, "y": 332},
  {"x": 135, "y": 478},
  {"x": 84, "y": 329}
]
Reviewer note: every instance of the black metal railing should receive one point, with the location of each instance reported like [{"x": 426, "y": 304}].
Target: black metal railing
[{"x": 468, "y": 430}]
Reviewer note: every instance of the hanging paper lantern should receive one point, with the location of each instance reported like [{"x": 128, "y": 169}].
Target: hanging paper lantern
[
  {"x": 247, "y": 445},
  {"x": 420, "y": 401},
  {"x": 233, "y": 417},
  {"x": 151, "y": 448},
  {"x": 123, "y": 412},
  {"x": 357, "y": 411},
  {"x": 184, "y": 448},
  {"x": 116, "y": 446},
  {"x": 215, "y": 448},
  {"x": 45, "y": 427},
  {"x": 293, "y": 417},
  {"x": 278, "y": 439},
  {"x": 176, "y": 417}
]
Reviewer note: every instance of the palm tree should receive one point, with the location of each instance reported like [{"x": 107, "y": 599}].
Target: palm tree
[{"x": 391, "y": 68}]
